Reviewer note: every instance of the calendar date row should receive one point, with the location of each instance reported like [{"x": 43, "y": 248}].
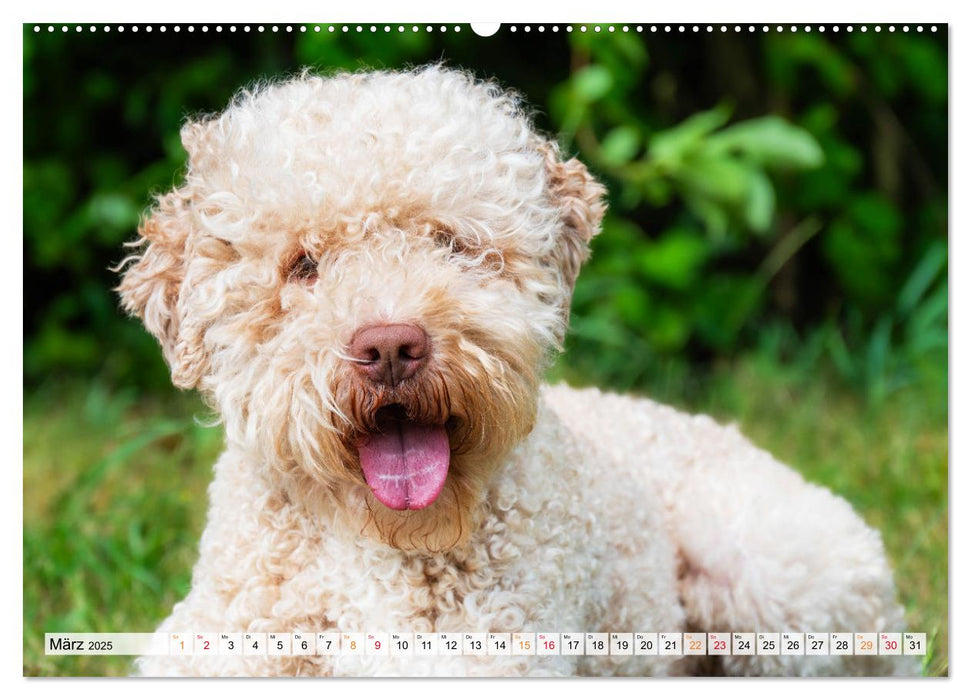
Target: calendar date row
[{"x": 489, "y": 643}]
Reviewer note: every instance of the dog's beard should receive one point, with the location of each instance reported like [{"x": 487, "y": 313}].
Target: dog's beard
[
  {"x": 481, "y": 416},
  {"x": 309, "y": 421}
]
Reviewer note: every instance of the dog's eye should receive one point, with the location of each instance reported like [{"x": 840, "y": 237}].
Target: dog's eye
[
  {"x": 446, "y": 239},
  {"x": 302, "y": 267}
]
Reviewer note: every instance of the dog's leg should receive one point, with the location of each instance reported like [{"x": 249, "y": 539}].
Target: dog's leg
[
  {"x": 762, "y": 550},
  {"x": 199, "y": 614}
]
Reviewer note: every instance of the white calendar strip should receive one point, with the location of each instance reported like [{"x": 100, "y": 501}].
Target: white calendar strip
[{"x": 487, "y": 644}]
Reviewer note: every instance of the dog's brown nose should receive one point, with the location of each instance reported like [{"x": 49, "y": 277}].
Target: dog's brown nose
[{"x": 389, "y": 354}]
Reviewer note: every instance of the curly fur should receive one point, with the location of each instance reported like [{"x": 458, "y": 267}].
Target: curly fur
[{"x": 427, "y": 197}]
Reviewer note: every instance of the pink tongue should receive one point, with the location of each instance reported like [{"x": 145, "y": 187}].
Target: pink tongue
[{"x": 406, "y": 464}]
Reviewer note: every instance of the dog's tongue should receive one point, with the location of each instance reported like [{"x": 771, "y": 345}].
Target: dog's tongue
[{"x": 406, "y": 464}]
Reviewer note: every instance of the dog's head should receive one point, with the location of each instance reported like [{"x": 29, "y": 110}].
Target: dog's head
[{"x": 366, "y": 275}]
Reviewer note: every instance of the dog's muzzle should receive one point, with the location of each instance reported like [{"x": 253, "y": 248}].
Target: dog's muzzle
[{"x": 404, "y": 462}]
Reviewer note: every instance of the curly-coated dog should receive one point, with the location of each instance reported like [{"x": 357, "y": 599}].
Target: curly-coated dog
[{"x": 366, "y": 275}]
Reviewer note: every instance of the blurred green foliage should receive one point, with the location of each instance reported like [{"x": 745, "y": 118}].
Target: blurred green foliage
[
  {"x": 813, "y": 222},
  {"x": 769, "y": 190}
]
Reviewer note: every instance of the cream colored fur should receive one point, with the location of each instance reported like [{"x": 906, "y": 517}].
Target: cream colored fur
[{"x": 426, "y": 197}]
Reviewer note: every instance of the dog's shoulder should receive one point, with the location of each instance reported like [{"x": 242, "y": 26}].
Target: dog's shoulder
[
  {"x": 642, "y": 436},
  {"x": 593, "y": 411}
]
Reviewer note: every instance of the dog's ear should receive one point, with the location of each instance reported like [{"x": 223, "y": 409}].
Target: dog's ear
[
  {"x": 154, "y": 284},
  {"x": 580, "y": 200},
  {"x": 151, "y": 288}
]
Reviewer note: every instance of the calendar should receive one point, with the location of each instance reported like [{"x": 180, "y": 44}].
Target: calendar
[{"x": 487, "y": 644}]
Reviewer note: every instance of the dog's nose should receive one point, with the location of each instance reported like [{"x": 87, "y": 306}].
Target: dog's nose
[{"x": 389, "y": 354}]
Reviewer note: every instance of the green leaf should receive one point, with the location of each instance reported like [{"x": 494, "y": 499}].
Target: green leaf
[
  {"x": 863, "y": 245},
  {"x": 877, "y": 351},
  {"x": 113, "y": 210},
  {"x": 828, "y": 185},
  {"x": 675, "y": 259},
  {"x": 618, "y": 237},
  {"x": 770, "y": 141},
  {"x": 926, "y": 325},
  {"x": 787, "y": 56},
  {"x": 713, "y": 215},
  {"x": 671, "y": 145},
  {"x": 923, "y": 275},
  {"x": 668, "y": 329},
  {"x": 603, "y": 329},
  {"x": 591, "y": 83},
  {"x": 725, "y": 304},
  {"x": 631, "y": 303},
  {"x": 624, "y": 54},
  {"x": 926, "y": 65},
  {"x": 760, "y": 203},
  {"x": 631, "y": 48},
  {"x": 657, "y": 190},
  {"x": 722, "y": 179},
  {"x": 620, "y": 145}
]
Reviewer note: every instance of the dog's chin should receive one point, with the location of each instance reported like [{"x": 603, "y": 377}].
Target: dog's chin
[{"x": 405, "y": 462}]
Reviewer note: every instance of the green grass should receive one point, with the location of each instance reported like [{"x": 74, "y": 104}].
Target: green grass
[
  {"x": 114, "y": 503},
  {"x": 115, "y": 495}
]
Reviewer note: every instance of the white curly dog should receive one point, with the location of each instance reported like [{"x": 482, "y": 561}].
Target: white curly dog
[{"x": 366, "y": 276}]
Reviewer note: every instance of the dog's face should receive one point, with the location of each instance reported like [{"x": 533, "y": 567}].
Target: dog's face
[{"x": 366, "y": 276}]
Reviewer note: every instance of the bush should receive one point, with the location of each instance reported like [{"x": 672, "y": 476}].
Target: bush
[{"x": 756, "y": 182}]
